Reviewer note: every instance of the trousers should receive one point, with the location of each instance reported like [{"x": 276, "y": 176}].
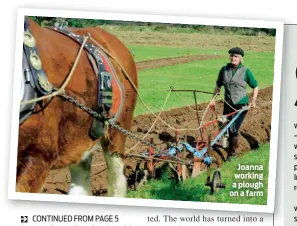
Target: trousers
[{"x": 234, "y": 128}]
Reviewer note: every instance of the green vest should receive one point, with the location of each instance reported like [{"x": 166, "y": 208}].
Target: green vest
[{"x": 235, "y": 86}]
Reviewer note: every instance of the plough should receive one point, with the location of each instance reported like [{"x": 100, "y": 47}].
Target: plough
[{"x": 184, "y": 159}]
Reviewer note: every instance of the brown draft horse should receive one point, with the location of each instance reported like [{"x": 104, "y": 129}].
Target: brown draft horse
[{"x": 56, "y": 134}]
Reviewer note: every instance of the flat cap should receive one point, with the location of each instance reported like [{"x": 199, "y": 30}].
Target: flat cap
[{"x": 236, "y": 50}]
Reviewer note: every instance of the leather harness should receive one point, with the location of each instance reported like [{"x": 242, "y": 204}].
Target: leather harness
[
  {"x": 104, "y": 77},
  {"x": 35, "y": 82}
]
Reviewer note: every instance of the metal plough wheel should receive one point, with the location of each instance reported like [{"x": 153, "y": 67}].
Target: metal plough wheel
[
  {"x": 140, "y": 177},
  {"x": 137, "y": 180},
  {"x": 216, "y": 182}
]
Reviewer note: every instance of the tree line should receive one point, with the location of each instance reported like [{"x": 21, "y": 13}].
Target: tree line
[{"x": 72, "y": 22}]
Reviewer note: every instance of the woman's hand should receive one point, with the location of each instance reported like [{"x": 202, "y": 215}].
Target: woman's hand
[
  {"x": 212, "y": 103},
  {"x": 255, "y": 94}
]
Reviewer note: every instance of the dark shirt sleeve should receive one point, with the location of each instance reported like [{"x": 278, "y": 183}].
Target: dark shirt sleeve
[
  {"x": 220, "y": 77},
  {"x": 250, "y": 79}
]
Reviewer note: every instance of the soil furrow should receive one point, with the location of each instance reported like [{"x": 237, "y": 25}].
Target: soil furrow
[{"x": 149, "y": 64}]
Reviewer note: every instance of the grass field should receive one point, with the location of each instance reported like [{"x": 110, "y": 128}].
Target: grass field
[
  {"x": 155, "y": 83},
  {"x": 195, "y": 190},
  {"x": 142, "y": 52}
]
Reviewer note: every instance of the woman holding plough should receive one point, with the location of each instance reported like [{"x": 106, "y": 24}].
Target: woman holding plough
[{"x": 234, "y": 77}]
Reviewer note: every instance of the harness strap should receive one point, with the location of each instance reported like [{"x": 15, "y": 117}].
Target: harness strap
[
  {"x": 98, "y": 59},
  {"x": 34, "y": 80},
  {"x": 39, "y": 76},
  {"x": 27, "y": 91},
  {"x": 104, "y": 77}
]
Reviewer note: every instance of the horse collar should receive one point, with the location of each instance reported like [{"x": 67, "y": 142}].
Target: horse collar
[{"x": 34, "y": 82}]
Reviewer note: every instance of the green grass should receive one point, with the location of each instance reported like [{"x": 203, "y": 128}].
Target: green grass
[
  {"x": 195, "y": 190},
  {"x": 142, "y": 52},
  {"x": 155, "y": 83}
]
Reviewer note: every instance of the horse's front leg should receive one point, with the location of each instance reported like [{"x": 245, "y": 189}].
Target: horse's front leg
[
  {"x": 117, "y": 182},
  {"x": 80, "y": 175},
  {"x": 32, "y": 170}
]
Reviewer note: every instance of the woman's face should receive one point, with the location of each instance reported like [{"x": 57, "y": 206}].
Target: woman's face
[{"x": 234, "y": 59}]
